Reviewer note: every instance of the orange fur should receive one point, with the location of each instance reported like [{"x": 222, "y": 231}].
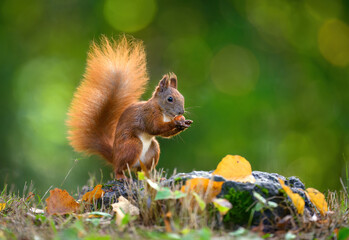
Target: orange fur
[
  {"x": 106, "y": 116},
  {"x": 115, "y": 78}
]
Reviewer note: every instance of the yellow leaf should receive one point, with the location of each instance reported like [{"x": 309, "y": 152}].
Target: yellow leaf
[
  {"x": 318, "y": 199},
  {"x": 297, "y": 200},
  {"x": 2, "y": 206},
  {"x": 96, "y": 193},
  {"x": 60, "y": 202},
  {"x": 206, "y": 188},
  {"x": 223, "y": 205},
  {"x": 235, "y": 168}
]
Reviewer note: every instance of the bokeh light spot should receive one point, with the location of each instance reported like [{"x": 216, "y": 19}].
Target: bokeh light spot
[
  {"x": 234, "y": 70},
  {"x": 271, "y": 18},
  {"x": 42, "y": 94},
  {"x": 334, "y": 42},
  {"x": 129, "y": 16}
]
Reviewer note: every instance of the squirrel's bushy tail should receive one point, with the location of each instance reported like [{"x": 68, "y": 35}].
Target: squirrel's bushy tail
[{"x": 115, "y": 77}]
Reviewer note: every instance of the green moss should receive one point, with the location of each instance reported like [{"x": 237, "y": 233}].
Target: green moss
[
  {"x": 264, "y": 191},
  {"x": 241, "y": 211}
]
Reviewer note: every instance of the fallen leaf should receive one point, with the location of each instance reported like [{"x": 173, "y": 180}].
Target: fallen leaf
[
  {"x": 163, "y": 193},
  {"x": 223, "y": 205},
  {"x": 2, "y": 206},
  {"x": 119, "y": 216},
  {"x": 318, "y": 199},
  {"x": 297, "y": 200},
  {"x": 235, "y": 168},
  {"x": 123, "y": 207},
  {"x": 126, "y": 206},
  {"x": 153, "y": 184},
  {"x": 60, "y": 202},
  {"x": 95, "y": 194},
  {"x": 206, "y": 188}
]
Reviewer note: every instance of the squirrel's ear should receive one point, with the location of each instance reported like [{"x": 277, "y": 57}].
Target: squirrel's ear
[
  {"x": 163, "y": 84},
  {"x": 173, "y": 80}
]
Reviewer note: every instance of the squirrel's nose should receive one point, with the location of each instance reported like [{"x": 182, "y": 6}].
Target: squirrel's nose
[{"x": 181, "y": 112}]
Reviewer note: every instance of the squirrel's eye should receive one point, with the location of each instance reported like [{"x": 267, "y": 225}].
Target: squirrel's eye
[{"x": 170, "y": 99}]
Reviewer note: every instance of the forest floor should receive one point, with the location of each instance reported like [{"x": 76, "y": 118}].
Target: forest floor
[{"x": 157, "y": 213}]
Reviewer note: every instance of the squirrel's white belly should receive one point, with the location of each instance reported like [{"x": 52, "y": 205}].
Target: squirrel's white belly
[
  {"x": 146, "y": 140},
  {"x": 166, "y": 118}
]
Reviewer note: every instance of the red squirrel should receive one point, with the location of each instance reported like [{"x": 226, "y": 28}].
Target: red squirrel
[{"x": 106, "y": 117}]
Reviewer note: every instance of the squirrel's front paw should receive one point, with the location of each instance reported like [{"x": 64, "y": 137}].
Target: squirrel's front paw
[
  {"x": 181, "y": 122},
  {"x": 188, "y": 122}
]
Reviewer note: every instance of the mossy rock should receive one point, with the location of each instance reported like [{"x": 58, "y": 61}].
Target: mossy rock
[{"x": 241, "y": 196}]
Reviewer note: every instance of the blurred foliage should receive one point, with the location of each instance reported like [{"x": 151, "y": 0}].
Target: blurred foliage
[{"x": 267, "y": 80}]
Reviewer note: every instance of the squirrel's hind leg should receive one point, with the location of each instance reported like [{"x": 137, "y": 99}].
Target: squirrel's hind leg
[
  {"x": 126, "y": 154},
  {"x": 120, "y": 176}
]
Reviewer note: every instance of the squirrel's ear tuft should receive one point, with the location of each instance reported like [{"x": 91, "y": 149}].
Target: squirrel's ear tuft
[
  {"x": 163, "y": 84},
  {"x": 173, "y": 80}
]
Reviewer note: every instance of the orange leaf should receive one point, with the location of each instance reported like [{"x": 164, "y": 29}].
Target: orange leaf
[
  {"x": 96, "y": 193},
  {"x": 297, "y": 200},
  {"x": 318, "y": 199},
  {"x": 235, "y": 168},
  {"x": 60, "y": 202},
  {"x": 205, "y": 187}
]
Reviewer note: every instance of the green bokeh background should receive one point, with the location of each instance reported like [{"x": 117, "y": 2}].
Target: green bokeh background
[{"x": 267, "y": 80}]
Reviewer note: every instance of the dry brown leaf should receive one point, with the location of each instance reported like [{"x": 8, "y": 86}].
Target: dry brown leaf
[
  {"x": 60, "y": 202},
  {"x": 119, "y": 216},
  {"x": 95, "y": 194},
  {"x": 206, "y": 188},
  {"x": 318, "y": 199},
  {"x": 126, "y": 206},
  {"x": 297, "y": 200},
  {"x": 122, "y": 207},
  {"x": 235, "y": 168}
]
